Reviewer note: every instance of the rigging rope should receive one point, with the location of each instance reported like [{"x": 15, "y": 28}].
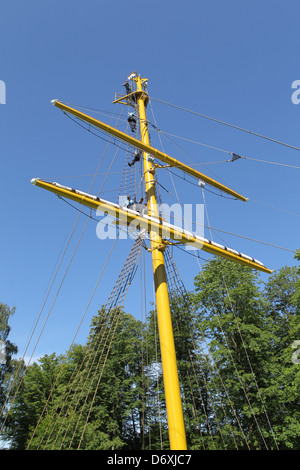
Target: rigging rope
[
  {"x": 115, "y": 300},
  {"x": 60, "y": 405},
  {"x": 177, "y": 287},
  {"x": 227, "y": 124},
  {"x": 250, "y": 367},
  {"x": 250, "y": 364},
  {"x": 223, "y": 151},
  {"x": 119, "y": 291},
  {"x": 47, "y": 295}
]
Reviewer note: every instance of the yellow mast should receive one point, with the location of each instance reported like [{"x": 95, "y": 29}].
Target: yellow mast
[
  {"x": 168, "y": 354},
  {"x": 170, "y": 372}
]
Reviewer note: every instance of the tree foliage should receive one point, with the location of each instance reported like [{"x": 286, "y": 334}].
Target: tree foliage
[
  {"x": 234, "y": 339},
  {"x": 7, "y": 363}
]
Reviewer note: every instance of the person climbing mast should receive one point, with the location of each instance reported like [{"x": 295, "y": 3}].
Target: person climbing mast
[
  {"x": 132, "y": 121},
  {"x": 136, "y": 157},
  {"x": 127, "y": 87},
  {"x": 128, "y": 202}
]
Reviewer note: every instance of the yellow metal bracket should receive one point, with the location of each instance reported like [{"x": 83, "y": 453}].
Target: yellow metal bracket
[
  {"x": 162, "y": 166},
  {"x": 160, "y": 247}
]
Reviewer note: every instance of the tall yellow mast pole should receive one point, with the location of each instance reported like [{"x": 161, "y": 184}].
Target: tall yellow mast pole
[
  {"x": 169, "y": 364},
  {"x": 170, "y": 372}
]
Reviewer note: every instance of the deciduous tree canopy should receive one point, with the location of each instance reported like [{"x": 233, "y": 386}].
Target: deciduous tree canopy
[{"x": 240, "y": 385}]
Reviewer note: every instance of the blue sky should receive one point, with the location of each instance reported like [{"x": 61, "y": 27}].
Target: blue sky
[{"x": 234, "y": 61}]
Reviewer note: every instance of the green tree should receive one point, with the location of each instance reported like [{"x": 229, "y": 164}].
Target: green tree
[
  {"x": 31, "y": 399},
  {"x": 231, "y": 309},
  {"x": 249, "y": 328},
  {"x": 239, "y": 382},
  {"x": 283, "y": 389},
  {"x": 121, "y": 357},
  {"x": 193, "y": 371},
  {"x": 7, "y": 363},
  {"x": 97, "y": 395},
  {"x": 194, "y": 368}
]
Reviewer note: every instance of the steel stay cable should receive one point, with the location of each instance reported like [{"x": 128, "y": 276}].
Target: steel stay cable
[
  {"x": 141, "y": 264},
  {"x": 144, "y": 333},
  {"x": 204, "y": 116},
  {"x": 76, "y": 370},
  {"x": 59, "y": 288},
  {"x": 250, "y": 364},
  {"x": 231, "y": 403},
  {"x": 89, "y": 363},
  {"x": 48, "y": 315},
  {"x": 132, "y": 258},
  {"x": 237, "y": 372},
  {"x": 234, "y": 363},
  {"x": 223, "y": 151},
  {"x": 35, "y": 326},
  {"x": 89, "y": 358},
  {"x": 111, "y": 299},
  {"x": 85, "y": 361},
  {"x": 176, "y": 289},
  {"x": 228, "y": 124},
  {"x": 226, "y": 161},
  {"x": 93, "y": 180},
  {"x": 157, "y": 396},
  {"x": 179, "y": 287},
  {"x": 229, "y": 351},
  {"x": 276, "y": 246},
  {"x": 193, "y": 161},
  {"x": 215, "y": 148},
  {"x": 43, "y": 305}
]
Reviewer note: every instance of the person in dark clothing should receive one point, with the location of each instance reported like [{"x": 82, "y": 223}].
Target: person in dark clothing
[
  {"x": 136, "y": 157},
  {"x": 132, "y": 121},
  {"x": 127, "y": 87}
]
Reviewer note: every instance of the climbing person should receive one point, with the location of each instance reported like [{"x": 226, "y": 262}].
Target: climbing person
[
  {"x": 144, "y": 209},
  {"x": 132, "y": 121},
  {"x": 136, "y": 157},
  {"x": 127, "y": 87},
  {"x": 138, "y": 206},
  {"x": 128, "y": 203}
]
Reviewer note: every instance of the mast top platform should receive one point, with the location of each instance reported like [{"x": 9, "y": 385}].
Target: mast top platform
[{"x": 131, "y": 99}]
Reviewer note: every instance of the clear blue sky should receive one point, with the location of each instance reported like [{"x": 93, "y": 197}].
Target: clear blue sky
[{"x": 232, "y": 60}]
